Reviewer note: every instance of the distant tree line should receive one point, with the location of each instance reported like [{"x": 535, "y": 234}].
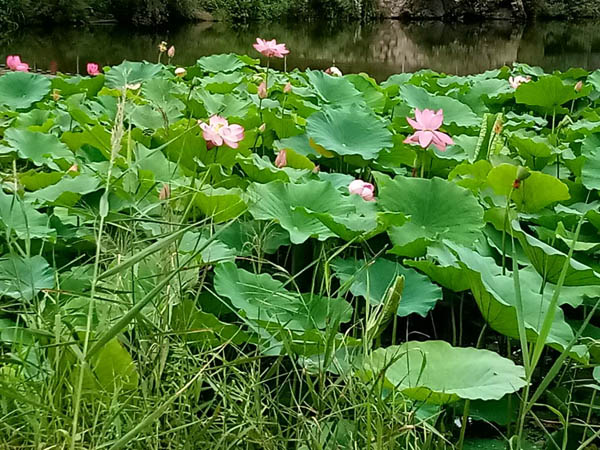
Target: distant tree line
[{"x": 15, "y": 13}]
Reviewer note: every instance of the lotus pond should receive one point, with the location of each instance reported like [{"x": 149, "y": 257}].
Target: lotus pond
[{"x": 230, "y": 256}]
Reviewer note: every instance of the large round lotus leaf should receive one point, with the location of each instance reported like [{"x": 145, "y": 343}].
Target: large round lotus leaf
[
  {"x": 40, "y": 148},
  {"x": 221, "y": 63},
  {"x": 23, "y": 278},
  {"x": 349, "y": 131},
  {"x": 548, "y": 94},
  {"x": 131, "y": 72},
  {"x": 261, "y": 297},
  {"x": 23, "y": 219},
  {"x": 373, "y": 281},
  {"x": 454, "y": 111},
  {"x": 496, "y": 299},
  {"x": 436, "y": 372},
  {"x": 335, "y": 90},
  {"x": 20, "y": 90},
  {"x": 590, "y": 173},
  {"x": 535, "y": 193},
  {"x": 438, "y": 209}
]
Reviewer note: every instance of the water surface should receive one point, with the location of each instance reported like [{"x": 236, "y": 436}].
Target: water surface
[{"x": 380, "y": 49}]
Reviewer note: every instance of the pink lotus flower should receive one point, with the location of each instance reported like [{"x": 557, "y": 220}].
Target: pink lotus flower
[
  {"x": 287, "y": 88},
  {"x": 93, "y": 69},
  {"x": 218, "y": 132},
  {"x": 262, "y": 90},
  {"x": 270, "y": 48},
  {"x": 12, "y": 61},
  {"x": 579, "y": 86},
  {"x": 281, "y": 159},
  {"x": 171, "y": 51},
  {"x": 365, "y": 190},
  {"x": 427, "y": 124},
  {"x": 334, "y": 72},
  {"x": 517, "y": 81}
]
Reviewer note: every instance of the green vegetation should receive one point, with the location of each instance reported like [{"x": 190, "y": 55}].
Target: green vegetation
[
  {"x": 170, "y": 283},
  {"x": 14, "y": 13}
]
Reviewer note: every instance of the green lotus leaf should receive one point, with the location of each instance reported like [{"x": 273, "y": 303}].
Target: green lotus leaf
[
  {"x": 590, "y": 173},
  {"x": 263, "y": 298},
  {"x": 535, "y": 193},
  {"x": 349, "y": 131},
  {"x": 221, "y": 63},
  {"x": 374, "y": 95},
  {"x": 292, "y": 205},
  {"x": 40, "y": 148},
  {"x": 222, "y": 83},
  {"x": 547, "y": 94},
  {"x": 23, "y": 278},
  {"x": 436, "y": 372},
  {"x": 536, "y": 150},
  {"x": 496, "y": 299},
  {"x": 455, "y": 112},
  {"x": 372, "y": 281},
  {"x": 77, "y": 84},
  {"x": 442, "y": 266},
  {"x": 437, "y": 209},
  {"x": 67, "y": 191},
  {"x": 23, "y": 219},
  {"x": 20, "y": 90},
  {"x": 333, "y": 90},
  {"x": 220, "y": 204},
  {"x": 131, "y": 73}
]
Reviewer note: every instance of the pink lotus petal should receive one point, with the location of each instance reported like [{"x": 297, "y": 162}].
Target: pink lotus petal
[
  {"x": 425, "y": 138},
  {"x": 413, "y": 123},
  {"x": 23, "y": 67}
]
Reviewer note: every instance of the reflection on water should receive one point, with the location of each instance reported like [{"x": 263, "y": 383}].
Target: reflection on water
[{"x": 380, "y": 49}]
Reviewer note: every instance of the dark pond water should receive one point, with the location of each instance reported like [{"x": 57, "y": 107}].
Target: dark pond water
[{"x": 380, "y": 49}]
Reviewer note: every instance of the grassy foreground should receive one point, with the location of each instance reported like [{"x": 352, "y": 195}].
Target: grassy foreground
[{"x": 227, "y": 256}]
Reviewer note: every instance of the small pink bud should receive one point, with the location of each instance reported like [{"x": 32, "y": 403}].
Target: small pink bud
[
  {"x": 281, "y": 159},
  {"x": 317, "y": 169},
  {"x": 262, "y": 90},
  {"x": 171, "y": 52},
  {"x": 579, "y": 86},
  {"x": 262, "y": 128},
  {"x": 73, "y": 168},
  {"x": 165, "y": 192},
  {"x": 287, "y": 88}
]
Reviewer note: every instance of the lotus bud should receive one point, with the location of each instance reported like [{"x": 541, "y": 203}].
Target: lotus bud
[
  {"x": 180, "y": 72},
  {"x": 579, "y": 86},
  {"x": 334, "y": 71},
  {"x": 55, "y": 95},
  {"x": 365, "y": 190},
  {"x": 165, "y": 192},
  {"x": 73, "y": 168},
  {"x": 498, "y": 127},
  {"x": 162, "y": 47},
  {"x": 317, "y": 169},
  {"x": 133, "y": 86},
  {"x": 523, "y": 173},
  {"x": 281, "y": 159},
  {"x": 262, "y": 90},
  {"x": 262, "y": 128},
  {"x": 171, "y": 51},
  {"x": 287, "y": 88}
]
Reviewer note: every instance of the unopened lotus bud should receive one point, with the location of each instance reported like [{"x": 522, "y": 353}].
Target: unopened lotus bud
[
  {"x": 317, "y": 169},
  {"x": 262, "y": 90},
  {"x": 498, "y": 127},
  {"x": 180, "y": 72},
  {"x": 262, "y": 128},
  {"x": 56, "y": 95},
  {"x": 287, "y": 88},
  {"x": 133, "y": 86},
  {"x": 171, "y": 51},
  {"x": 334, "y": 72},
  {"x": 281, "y": 159},
  {"x": 523, "y": 173},
  {"x": 162, "y": 47},
  {"x": 73, "y": 168},
  {"x": 165, "y": 192},
  {"x": 579, "y": 86}
]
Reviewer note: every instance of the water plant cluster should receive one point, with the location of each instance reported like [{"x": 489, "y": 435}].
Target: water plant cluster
[{"x": 228, "y": 256}]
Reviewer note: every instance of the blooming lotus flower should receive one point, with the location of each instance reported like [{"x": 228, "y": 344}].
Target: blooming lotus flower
[
  {"x": 517, "y": 81},
  {"x": 12, "y": 61},
  {"x": 23, "y": 67},
  {"x": 270, "y": 48},
  {"x": 334, "y": 72},
  {"x": 180, "y": 72},
  {"x": 262, "y": 90},
  {"x": 171, "y": 51},
  {"x": 218, "y": 132},
  {"x": 365, "y": 190},
  {"x": 93, "y": 69},
  {"x": 281, "y": 160},
  {"x": 427, "y": 124}
]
